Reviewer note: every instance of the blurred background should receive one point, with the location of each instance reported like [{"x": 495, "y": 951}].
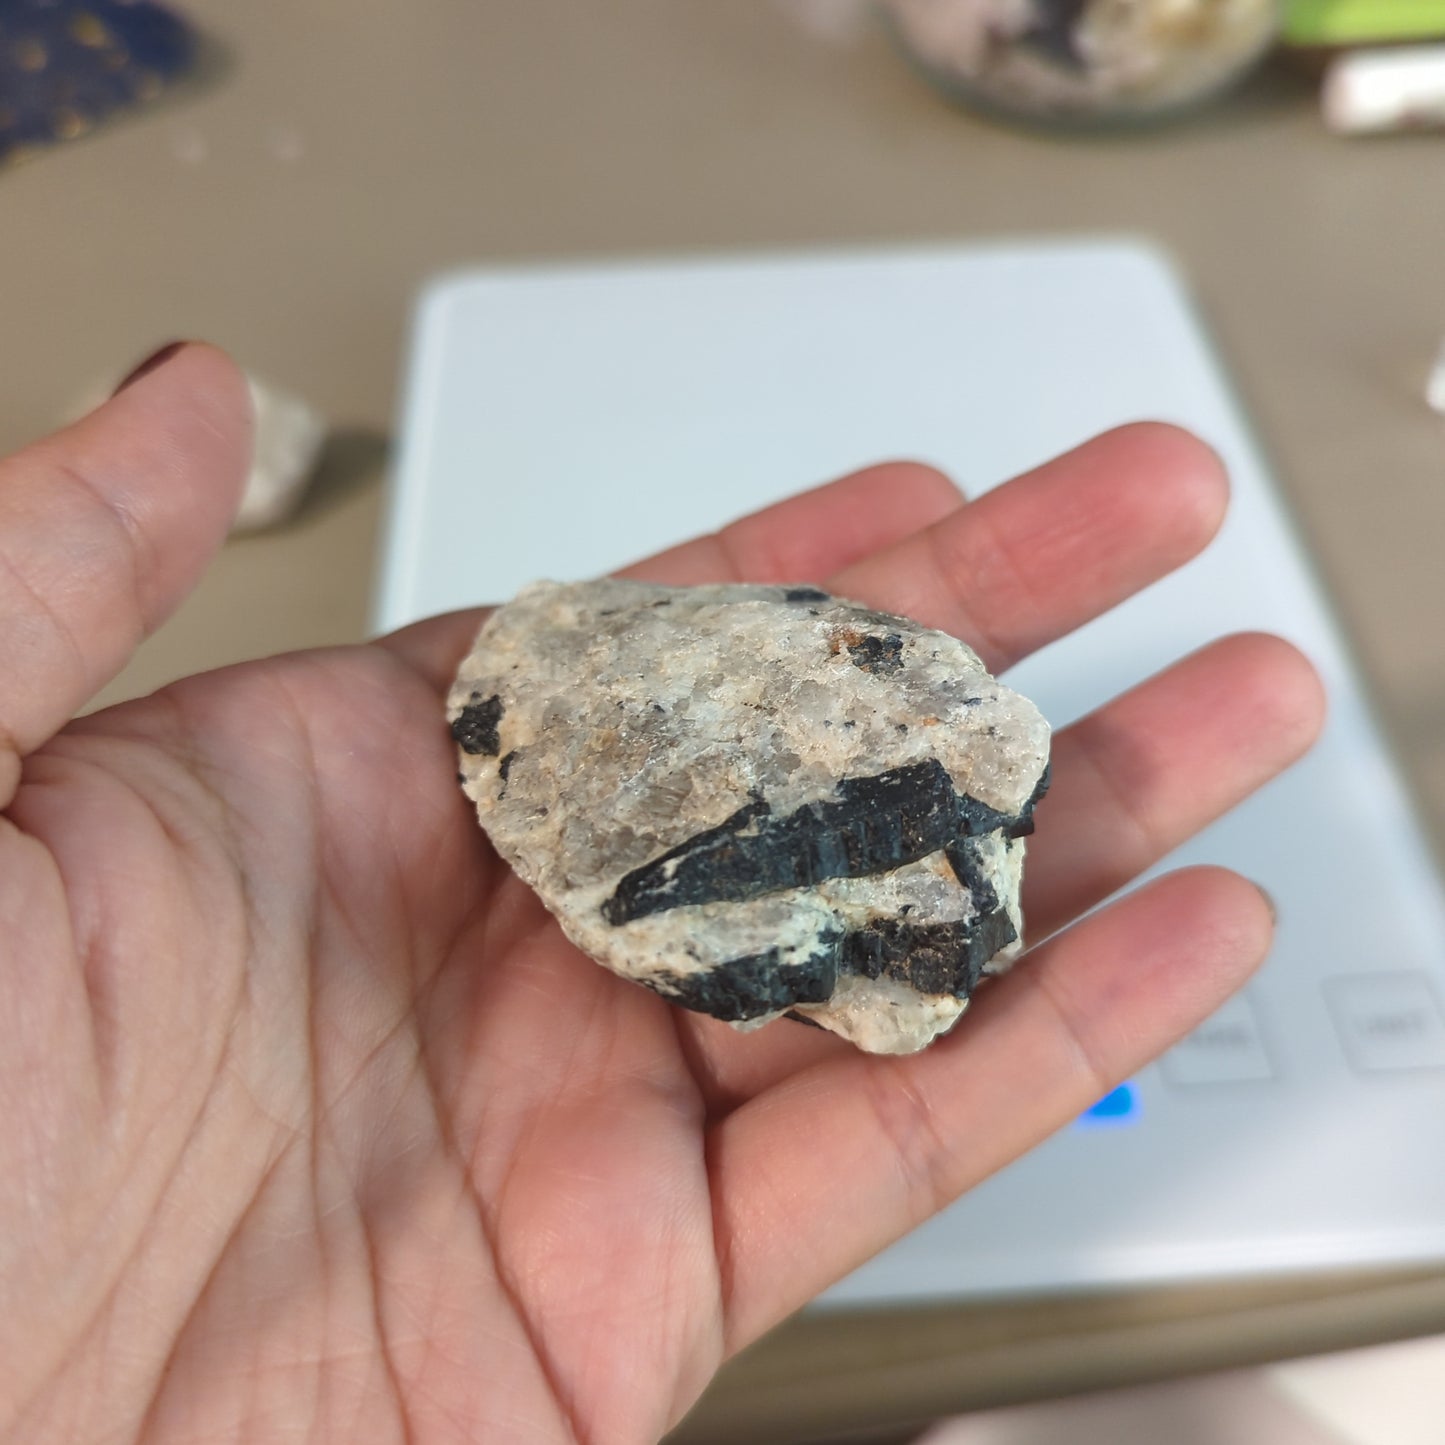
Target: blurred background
[{"x": 283, "y": 177}]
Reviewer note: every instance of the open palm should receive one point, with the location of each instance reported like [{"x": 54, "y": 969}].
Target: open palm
[{"x": 315, "y": 1127}]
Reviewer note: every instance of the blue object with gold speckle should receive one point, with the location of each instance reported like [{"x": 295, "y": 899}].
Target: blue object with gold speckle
[{"x": 66, "y": 66}]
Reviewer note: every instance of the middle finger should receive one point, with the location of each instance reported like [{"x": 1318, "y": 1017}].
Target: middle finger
[{"x": 1045, "y": 553}]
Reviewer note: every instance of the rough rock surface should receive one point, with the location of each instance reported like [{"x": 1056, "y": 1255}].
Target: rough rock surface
[{"x": 757, "y": 800}]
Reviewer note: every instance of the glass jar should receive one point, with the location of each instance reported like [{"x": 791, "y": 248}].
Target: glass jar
[{"x": 1084, "y": 62}]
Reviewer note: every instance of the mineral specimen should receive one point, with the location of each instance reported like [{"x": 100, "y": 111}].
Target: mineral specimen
[{"x": 757, "y": 800}]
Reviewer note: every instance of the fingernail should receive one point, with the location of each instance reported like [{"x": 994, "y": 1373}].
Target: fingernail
[
  {"x": 1269, "y": 902},
  {"x": 154, "y": 360}
]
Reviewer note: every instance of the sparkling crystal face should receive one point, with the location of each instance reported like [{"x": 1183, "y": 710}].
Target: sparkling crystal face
[{"x": 757, "y": 800}]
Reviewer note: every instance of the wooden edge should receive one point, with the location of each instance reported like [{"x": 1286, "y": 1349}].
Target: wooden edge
[{"x": 864, "y": 1373}]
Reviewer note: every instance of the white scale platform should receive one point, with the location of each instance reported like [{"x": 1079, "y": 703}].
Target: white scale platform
[{"x": 563, "y": 421}]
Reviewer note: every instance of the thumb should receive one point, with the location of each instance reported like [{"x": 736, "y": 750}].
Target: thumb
[{"x": 104, "y": 529}]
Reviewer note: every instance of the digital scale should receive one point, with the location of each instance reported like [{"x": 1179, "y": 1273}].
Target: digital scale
[{"x": 561, "y": 421}]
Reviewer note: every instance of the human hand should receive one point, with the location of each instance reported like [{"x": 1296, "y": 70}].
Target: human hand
[{"x": 315, "y": 1126}]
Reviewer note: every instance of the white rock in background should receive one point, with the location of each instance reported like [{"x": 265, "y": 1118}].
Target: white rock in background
[
  {"x": 289, "y": 436},
  {"x": 1435, "y": 383},
  {"x": 757, "y": 800}
]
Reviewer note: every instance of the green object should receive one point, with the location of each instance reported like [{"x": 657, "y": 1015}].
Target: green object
[{"x": 1361, "y": 22}]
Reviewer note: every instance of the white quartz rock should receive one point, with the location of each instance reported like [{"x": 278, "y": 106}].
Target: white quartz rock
[
  {"x": 757, "y": 800},
  {"x": 288, "y": 438}
]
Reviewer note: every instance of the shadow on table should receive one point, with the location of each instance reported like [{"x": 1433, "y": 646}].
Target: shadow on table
[{"x": 352, "y": 458}]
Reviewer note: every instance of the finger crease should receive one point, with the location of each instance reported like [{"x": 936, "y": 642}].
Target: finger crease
[
  {"x": 1149, "y": 843},
  {"x": 909, "y": 1123},
  {"x": 50, "y": 615},
  {"x": 1086, "y": 1058},
  {"x": 732, "y": 554},
  {"x": 124, "y": 521},
  {"x": 967, "y": 624}
]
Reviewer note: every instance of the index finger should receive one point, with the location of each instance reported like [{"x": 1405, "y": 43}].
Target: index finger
[{"x": 804, "y": 538}]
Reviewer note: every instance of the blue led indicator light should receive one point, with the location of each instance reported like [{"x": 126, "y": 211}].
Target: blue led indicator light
[{"x": 1120, "y": 1106}]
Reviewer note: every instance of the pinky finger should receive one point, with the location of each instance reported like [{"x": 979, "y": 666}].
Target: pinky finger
[{"x": 909, "y": 1135}]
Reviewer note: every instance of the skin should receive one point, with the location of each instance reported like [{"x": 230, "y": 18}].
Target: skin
[{"x": 315, "y": 1128}]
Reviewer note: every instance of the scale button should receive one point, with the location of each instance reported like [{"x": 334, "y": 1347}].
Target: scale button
[
  {"x": 1388, "y": 1020},
  {"x": 1227, "y": 1048},
  {"x": 1118, "y": 1106}
]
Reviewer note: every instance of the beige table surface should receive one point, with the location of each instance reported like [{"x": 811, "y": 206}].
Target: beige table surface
[{"x": 336, "y": 153}]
